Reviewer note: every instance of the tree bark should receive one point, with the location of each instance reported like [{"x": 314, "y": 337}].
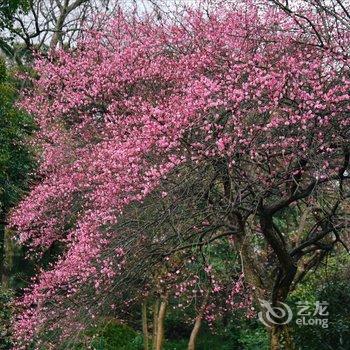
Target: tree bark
[
  {"x": 160, "y": 323},
  {"x": 274, "y": 339},
  {"x": 264, "y": 288},
  {"x": 252, "y": 268},
  {"x": 144, "y": 325},
  {"x": 280, "y": 338},
  {"x": 197, "y": 324},
  {"x": 155, "y": 318},
  {"x": 267, "y": 285},
  {"x": 194, "y": 333}
]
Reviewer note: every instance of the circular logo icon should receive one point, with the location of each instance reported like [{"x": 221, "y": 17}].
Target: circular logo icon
[{"x": 281, "y": 314}]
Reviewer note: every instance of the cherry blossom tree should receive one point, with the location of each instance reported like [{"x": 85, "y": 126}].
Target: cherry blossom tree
[{"x": 228, "y": 123}]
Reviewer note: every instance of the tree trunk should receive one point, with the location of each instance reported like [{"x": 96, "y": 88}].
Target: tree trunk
[
  {"x": 280, "y": 338},
  {"x": 274, "y": 338},
  {"x": 144, "y": 325},
  {"x": 253, "y": 270},
  {"x": 197, "y": 324},
  {"x": 155, "y": 318},
  {"x": 194, "y": 333},
  {"x": 160, "y": 323}
]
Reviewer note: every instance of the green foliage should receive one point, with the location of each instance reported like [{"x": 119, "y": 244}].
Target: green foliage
[
  {"x": 6, "y": 310},
  {"x": 175, "y": 326},
  {"x": 245, "y": 339},
  {"x": 9, "y": 7},
  {"x": 237, "y": 333},
  {"x": 16, "y": 161},
  {"x": 330, "y": 283},
  {"x": 16, "y": 164},
  {"x": 110, "y": 335},
  {"x": 114, "y": 336},
  {"x": 243, "y": 333},
  {"x": 253, "y": 338}
]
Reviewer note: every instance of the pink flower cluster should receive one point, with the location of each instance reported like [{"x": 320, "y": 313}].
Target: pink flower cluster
[{"x": 138, "y": 99}]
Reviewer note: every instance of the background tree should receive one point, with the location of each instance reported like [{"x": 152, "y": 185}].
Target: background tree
[
  {"x": 8, "y": 8},
  {"x": 16, "y": 161},
  {"x": 36, "y": 25}
]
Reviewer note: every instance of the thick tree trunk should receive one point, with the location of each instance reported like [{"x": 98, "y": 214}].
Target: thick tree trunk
[
  {"x": 253, "y": 270},
  {"x": 289, "y": 341},
  {"x": 144, "y": 325},
  {"x": 281, "y": 338},
  {"x": 274, "y": 340},
  {"x": 268, "y": 286},
  {"x": 155, "y": 318},
  {"x": 197, "y": 324},
  {"x": 160, "y": 323}
]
